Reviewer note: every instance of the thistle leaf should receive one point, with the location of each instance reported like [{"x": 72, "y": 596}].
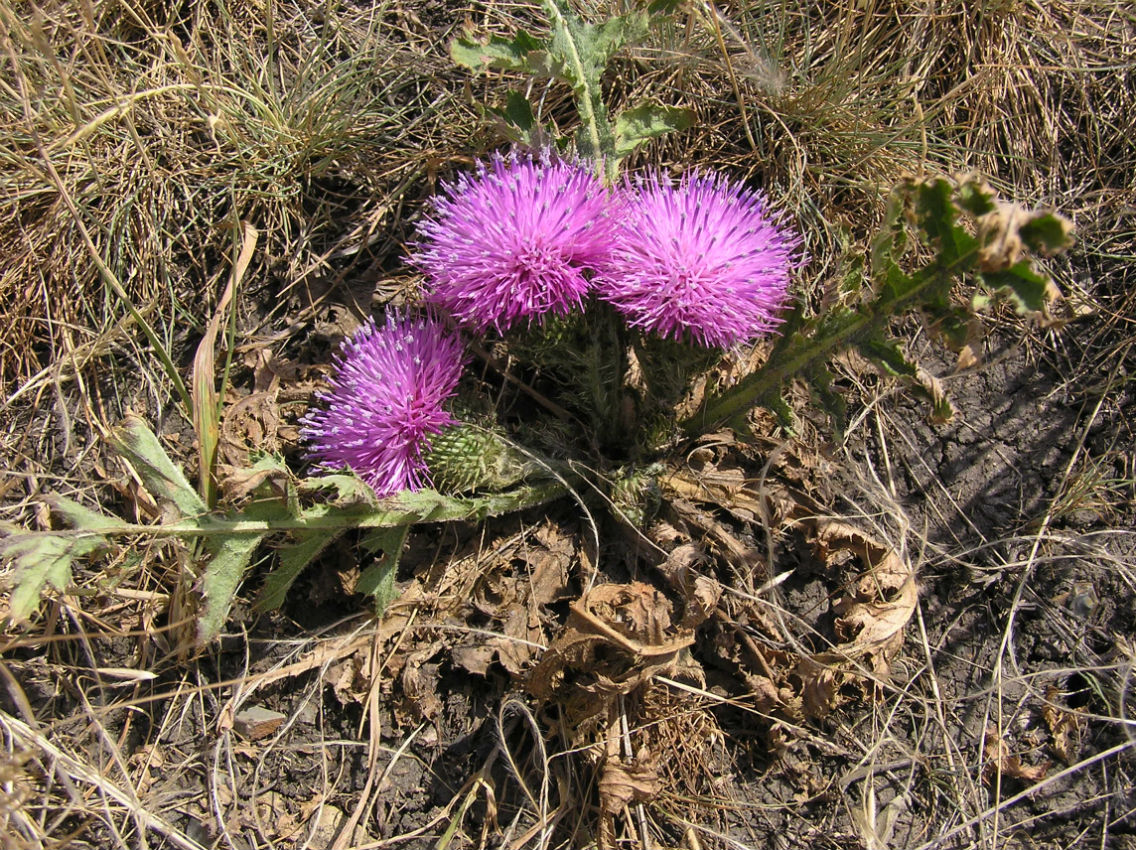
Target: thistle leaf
[
  {"x": 80, "y": 517},
  {"x": 293, "y": 557},
  {"x": 229, "y": 555},
  {"x": 522, "y": 53},
  {"x": 992, "y": 258},
  {"x": 377, "y": 580},
  {"x": 647, "y": 121},
  {"x": 136, "y": 443},
  {"x": 1047, "y": 233},
  {"x": 1029, "y": 291},
  {"x": 39, "y": 559}
]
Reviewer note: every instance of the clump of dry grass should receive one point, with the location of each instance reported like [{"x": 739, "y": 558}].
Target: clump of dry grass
[{"x": 157, "y": 128}]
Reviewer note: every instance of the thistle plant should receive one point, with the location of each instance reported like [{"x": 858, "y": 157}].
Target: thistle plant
[
  {"x": 386, "y": 400},
  {"x": 575, "y": 267},
  {"x": 706, "y": 260},
  {"x": 516, "y": 241}
]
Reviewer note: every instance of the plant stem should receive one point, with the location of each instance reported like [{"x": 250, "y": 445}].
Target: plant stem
[{"x": 803, "y": 351}]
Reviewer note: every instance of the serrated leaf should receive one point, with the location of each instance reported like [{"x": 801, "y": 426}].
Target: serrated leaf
[
  {"x": 137, "y": 444},
  {"x": 779, "y": 405},
  {"x": 937, "y": 215},
  {"x": 229, "y": 557},
  {"x": 523, "y": 53},
  {"x": 647, "y": 121},
  {"x": 79, "y": 516},
  {"x": 606, "y": 38},
  {"x": 887, "y": 354},
  {"x": 976, "y": 197},
  {"x": 581, "y": 51},
  {"x": 349, "y": 489},
  {"x": 38, "y": 559},
  {"x": 820, "y": 383},
  {"x": 1047, "y": 233},
  {"x": 517, "y": 112},
  {"x": 1028, "y": 290},
  {"x": 293, "y": 557},
  {"x": 377, "y": 580}
]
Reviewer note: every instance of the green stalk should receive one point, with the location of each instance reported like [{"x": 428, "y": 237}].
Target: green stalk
[
  {"x": 426, "y": 506},
  {"x": 802, "y": 352}
]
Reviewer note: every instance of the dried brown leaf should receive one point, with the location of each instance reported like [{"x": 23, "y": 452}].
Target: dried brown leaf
[
  {"x": 1000, "y": 760},
  {"x": 624, "y": 781},
  {"x": 617, "y": 637},
  {"x": 1064, "y": 727}
]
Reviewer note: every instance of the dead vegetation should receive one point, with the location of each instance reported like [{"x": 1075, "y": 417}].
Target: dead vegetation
[{"x": 909, "y": 638}]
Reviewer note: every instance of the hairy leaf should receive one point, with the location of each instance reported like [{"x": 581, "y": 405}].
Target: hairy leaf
[
  {"x": 522, "y": 53},
  {"x": 647, "y": 121},
  {"x": 137, "y": 443},
  {"x": 293, "y": 557},
  {"x": 377, "y": 580},
  {"x": 39, "y": 559}
]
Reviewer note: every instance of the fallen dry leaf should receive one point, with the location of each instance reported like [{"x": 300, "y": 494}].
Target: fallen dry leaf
[
  {"x": 999, "y": 760},
  {"x": 617, "y": 637},
  {"x": 870, "y": 620},
  {"x": 624, "y": 781},
  {"x": 1064, "y": 727}
]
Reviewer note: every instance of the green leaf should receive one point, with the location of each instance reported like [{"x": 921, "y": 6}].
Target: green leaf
[
  {"x": 887, "y": 354},
  {"x": 229, "y": 555},
  {"x": 377, "y": 580},
  {"x": 349, "y": 489},
  {"x": 38, "y": 559},
  {"x": 80, "y": 517},
  {"x": 647, "y": 121},
  {"x": 937, "y": 215},
  {"x": 581, "y": 52},
  {"x": 522, "y": 53},
  {"x": 1047, "y": 233},
  {"x": 831, "y": 402},
  {"x": 293, "y": 557},
  {"x": 976, "y": 197},
  {"x": 603, "y": 40},
  {"x": 777, "y": 403},
  {"x": 137, "y": 443},
  {"x": 1028, "y": 290},
  {"x": 517, "y": 112}
]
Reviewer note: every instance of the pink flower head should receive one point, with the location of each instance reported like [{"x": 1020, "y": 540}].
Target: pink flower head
[
  {"x": 705, "y": 259},
  {"x": 515, "y": 241},
  {"x": 385, "y": 401}
]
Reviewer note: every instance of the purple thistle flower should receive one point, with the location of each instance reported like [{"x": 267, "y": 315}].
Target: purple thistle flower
[
  {"x": 385, "y": 401},
  {"x": 515, "y": 241},
  {"x": 705, "y": 259}
]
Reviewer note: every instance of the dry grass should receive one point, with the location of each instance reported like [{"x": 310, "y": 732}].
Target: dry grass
[{"x": 139, "y": 135}]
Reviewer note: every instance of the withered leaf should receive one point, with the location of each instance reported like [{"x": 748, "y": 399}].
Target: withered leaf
[
  {"x": 999, "y": 760},
  {"x": 630, "y": 623},
  {"x": 624, "y": 781}
]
